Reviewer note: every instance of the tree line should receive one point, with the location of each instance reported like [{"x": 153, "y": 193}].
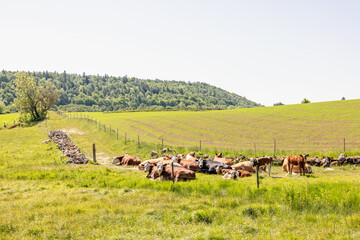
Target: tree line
[{"x": 81, "y": 92}]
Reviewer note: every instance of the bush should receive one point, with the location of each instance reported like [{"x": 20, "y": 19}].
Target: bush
[{"x": 305, "y": 101}]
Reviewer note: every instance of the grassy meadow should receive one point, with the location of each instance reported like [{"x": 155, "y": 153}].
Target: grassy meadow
[
  {"x": 313, "y": 128},
  {"x": 42, "y": 197}
]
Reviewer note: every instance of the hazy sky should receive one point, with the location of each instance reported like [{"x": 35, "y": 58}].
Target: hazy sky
[{"x": 268, "y": 51}]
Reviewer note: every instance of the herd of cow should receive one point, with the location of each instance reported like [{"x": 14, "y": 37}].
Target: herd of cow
[{"x": 184, "y": 167}]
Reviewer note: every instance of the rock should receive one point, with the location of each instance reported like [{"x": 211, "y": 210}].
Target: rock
[{"x": 68, "y": 148}]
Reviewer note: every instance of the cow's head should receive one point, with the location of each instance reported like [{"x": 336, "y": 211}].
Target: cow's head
[
  {"x": 175, "y": 159},
  {"x": 233, "y": 175},
  {"x": 147, "y": 167},
  {"x": 201, "y": 163},
  {"x": 305, "y": 156},
  {"x": 219, "y": 169},
  {"x": 160, "y": 167},
  {"x": 253, "y": 160},
  {"x": 192, "y": 154}
]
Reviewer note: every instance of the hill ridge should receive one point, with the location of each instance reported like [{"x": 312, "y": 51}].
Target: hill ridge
[{"x": 109, "y": 93}]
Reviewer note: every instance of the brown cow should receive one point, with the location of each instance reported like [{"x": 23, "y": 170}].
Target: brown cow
[
  {"x": 151, "y": 161},
  {"x": 219, "y": 158},
  {"x": 244, "y": 173},
  {"x": 297, "y": 160},
  {"x": 126, "y": 160},
  {"x": 152, "y": 171},
  {"x": 190, "y": 164},
  {"x": 295, "y": 168},
  {"x": 231, "y": 175},
  {"x": 244, "y": 166},
  {"x": 180, "y": 174}
]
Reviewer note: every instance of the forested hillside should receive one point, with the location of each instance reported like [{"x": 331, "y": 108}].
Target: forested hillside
[{"x": 108, "y": 93}]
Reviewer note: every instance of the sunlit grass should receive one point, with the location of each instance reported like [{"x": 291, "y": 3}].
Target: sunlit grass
[{"x": 42, "y": 197}]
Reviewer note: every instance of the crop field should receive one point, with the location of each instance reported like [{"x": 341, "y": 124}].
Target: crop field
[
  {"x": 42, "y": 197},
  {"x": 313, "y": 128}
]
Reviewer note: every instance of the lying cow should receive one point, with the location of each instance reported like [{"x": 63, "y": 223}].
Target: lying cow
[
  {"x": 126, "y": 160},
  {"x": 180, "y": 174},
  {"x": 152, "y": 171},
  {"x": 209, "y": 167},
  {"x": 326, "y": 162},
  {"x": 231, "y": 175},
  {"x": 219, "y": 158},
  {"x": 190, "y": 164},
  {"x": 242, "y": 173},
  {"x": 150, "y": 161},
  {"x": 247, "y": 166}
]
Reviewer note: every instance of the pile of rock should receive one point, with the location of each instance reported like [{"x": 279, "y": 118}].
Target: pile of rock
[{"x": 69, "y": 149}]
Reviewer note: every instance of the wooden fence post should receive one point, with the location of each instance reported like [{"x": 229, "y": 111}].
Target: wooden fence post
[
  {"x": 172, "y": 170},
  {"x": 269, "y": 169},
  {"x": 257, "y": 176},
  {"x": 94, "y": 152},
  {"x": 117, "y": 134}
]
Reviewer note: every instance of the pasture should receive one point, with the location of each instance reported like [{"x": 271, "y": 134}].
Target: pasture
[
  {"x": 317, "y": 128},
  {"x": 42, "y": 197}
]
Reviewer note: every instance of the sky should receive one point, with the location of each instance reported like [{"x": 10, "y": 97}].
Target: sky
[{"x": 268, "y": 51}]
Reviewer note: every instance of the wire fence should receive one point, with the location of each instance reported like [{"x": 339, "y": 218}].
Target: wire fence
[{"x": 257, "y": 147}]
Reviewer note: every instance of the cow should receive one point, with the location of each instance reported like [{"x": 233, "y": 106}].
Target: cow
[
  {"x": 244, "y": 166},
  {"x": 191, "y": 156},
  {"x": 151, "y": 161},
  {"x": 180, "y": 174},
  {"x": 297, "y": 160},
  {"x": 314, "y": 161},
  {"x": 262, "y": 161},
  {"x": 244, "y": 173},
  {"x": 152, "y": 171},
  {"x": 126, "y": 160},
  {"x": 231, "y": 175},
  {"x": 326, "y": 162},
  {"x": 154, "y": 154},
  {"x": 295, "y": 168},
  {"x": 222, "y": 171},
  {"x": 219, "y": 158},
  {"x": 190, "y": 164},
  {"x": 207, "y": 166}
]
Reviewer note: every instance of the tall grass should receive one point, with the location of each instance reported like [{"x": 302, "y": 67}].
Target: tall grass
[{"x": 42, "y": 197}]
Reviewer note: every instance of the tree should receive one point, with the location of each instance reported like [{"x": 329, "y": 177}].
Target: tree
[
  {"x": 278, "y": 104},
  {"x": 2, "y": 107},
  {"x": 33, "y": 99},
  {"x": 305, "y": 101},
  {"x": 343, "y": 98}
]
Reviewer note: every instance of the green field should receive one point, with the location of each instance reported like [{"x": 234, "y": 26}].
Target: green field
[
  {"x": 42, "y": 197},
  {"x": 312, "y": 128}
]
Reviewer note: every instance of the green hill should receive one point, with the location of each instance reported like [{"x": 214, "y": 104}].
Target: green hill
[
  {"x": 313, "y": 127},
  {"x": 108, "y": 93}
]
